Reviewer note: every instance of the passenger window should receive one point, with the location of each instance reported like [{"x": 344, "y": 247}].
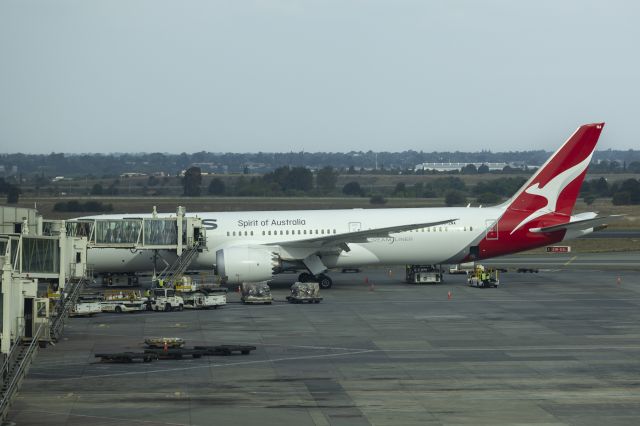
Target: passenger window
[
  {"x": 227, "y": 233},
  {"x": 471, "y": 228},
  {"x": 269, "y": 232},
  {"x": 287, "y": 232}
]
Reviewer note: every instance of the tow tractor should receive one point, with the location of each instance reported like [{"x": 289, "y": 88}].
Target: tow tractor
[
  {"x": 164, "y": 299},
  {"x": 198, "y": 296},
  {"x": 483, "y": 277}
]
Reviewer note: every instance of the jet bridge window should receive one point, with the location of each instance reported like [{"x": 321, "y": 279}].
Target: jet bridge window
[
  {"x": 160, "y": 232},
  {"x": 40, "y": 255}
]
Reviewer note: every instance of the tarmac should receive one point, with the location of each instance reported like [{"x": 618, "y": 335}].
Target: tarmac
[{"x": 560, "y": 347}]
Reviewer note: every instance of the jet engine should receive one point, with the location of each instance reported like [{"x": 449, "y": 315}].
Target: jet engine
[{"x": 247, "y": 264}]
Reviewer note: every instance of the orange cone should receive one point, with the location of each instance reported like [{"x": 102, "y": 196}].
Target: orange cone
[
  {"x": 366, "y": 280},
  {"x": 449, "y": 295},
  {"x": 166, "y": 347},
  {"x": 619, "y": 280}
]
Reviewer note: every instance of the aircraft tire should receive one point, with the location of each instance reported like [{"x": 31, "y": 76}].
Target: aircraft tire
[
  {"x": 304, "y": 277},
  {"x": 324, "y": 281}
]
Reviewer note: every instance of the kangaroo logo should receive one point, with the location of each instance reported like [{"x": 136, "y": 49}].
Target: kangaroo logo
[{"x": 552, "y": 190}]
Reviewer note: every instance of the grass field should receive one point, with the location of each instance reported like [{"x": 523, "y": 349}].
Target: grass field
[{"x": 195, "y": 204}]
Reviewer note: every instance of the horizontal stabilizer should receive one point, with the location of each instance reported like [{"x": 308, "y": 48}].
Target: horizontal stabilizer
[{"x": 580, "y": 225}]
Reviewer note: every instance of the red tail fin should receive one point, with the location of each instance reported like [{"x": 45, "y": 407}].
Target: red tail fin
[
  {"x": 554, "y": 188},
  {"x": 547, "y": 199}
]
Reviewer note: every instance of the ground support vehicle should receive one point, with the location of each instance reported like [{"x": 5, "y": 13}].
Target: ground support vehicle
[
  {"x": 174, "y": 353},
  {"x": 122, "y": 301},
  {"x": 161, "y": 342},
  {"x": 483, "y": 278},
  {"x": 86, "y": 308},
  {"x": 423, "y": 274},
  {"x": 525, "y": 270},
  {"x": 126, "y": 357},
  {"x": 205, "y": 298},
  {"x": 256, "y": 293},
  {"x": 225, "y": 350},
  {"x": 462, "y": 268},
  {"x": 164, "y": 299},
  {"x": 304, "y": 292},
  {"x": 198, "y": 296}
]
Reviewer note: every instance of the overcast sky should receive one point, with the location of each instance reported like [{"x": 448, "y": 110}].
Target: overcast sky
[{"x": 291, "y": 75}]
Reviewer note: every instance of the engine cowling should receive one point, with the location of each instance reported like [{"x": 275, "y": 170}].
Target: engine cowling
[{"x": 246, "y": 264}]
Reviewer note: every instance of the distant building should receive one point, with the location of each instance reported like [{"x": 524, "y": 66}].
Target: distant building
[
  {"x": 132, "y": 174},
  {"x": 450, "y": 167}
]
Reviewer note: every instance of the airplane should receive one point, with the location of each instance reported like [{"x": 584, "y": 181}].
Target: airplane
[{"x": 257, "y": 245}]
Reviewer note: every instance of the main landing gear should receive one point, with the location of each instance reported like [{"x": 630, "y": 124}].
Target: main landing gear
[{"x": 324, "y": 281}]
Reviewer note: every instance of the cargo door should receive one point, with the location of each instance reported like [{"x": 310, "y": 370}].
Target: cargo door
[{"x": 491, "y": 229}]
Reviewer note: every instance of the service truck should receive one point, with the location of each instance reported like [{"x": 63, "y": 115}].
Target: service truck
[
  {"x": 164, "y": 299},
  {"x": 122, "y": 301},
  {"x": 199, "y": 296}
]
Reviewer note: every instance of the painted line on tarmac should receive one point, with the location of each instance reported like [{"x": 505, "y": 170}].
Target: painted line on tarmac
[
  {"x": 121, "y": 419},
  {"x": 568, "y": 262},
  {"x": 353, "y": 352},
  {"x": 166, "y": 370}
]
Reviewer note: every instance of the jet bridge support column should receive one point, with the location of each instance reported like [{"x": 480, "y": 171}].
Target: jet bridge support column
[
  {"x": 7, "y": 284},
  {"x": 180, "y": 218}
]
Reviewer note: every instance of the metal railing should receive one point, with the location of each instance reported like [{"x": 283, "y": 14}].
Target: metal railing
[
  {"x": 18, "y": 373},
  {"x": 63, "y": 307},
  {"x": 181, "y": 264}
]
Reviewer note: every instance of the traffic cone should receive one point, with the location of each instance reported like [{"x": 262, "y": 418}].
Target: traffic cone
[
  {"x": 619, "y": 280},
  {"x": 166, "y": 346},
  {"x": 390, "y": 273},
  {"x": 366, "y": 280},
  {"x": 449, "y": 295}
]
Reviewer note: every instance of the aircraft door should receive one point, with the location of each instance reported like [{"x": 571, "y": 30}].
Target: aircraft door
[
  {"x": 28, "y": 317},
  {"x": 355, "y": 226},
  {"x": 491, "y": 229}
]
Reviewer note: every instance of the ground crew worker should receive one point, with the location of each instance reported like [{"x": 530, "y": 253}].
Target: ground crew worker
[{"x": 160, "y": 283}]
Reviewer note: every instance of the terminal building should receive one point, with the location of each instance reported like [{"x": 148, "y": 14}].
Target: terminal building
[
  {"x": 451, "y": 167},
  {"x": 44, "y": 268}
]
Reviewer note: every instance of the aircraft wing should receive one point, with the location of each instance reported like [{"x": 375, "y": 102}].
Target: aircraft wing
[
  {"x": 580, "y": 225},
  {"x": 340, "y": 240}
]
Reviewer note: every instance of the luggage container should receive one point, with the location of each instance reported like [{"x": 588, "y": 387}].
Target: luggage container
[
  {"x": 256, "y": 293},
  {"x": 305, "y": 292}
]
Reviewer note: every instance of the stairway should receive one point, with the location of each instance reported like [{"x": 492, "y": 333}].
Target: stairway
[
  {"x": 61, "y": 310},
  {"x": 15, "y": 368},
  {"x": 174, "y": 271}
]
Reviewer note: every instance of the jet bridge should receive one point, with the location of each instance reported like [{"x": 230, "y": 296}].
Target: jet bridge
[{"x": 177, "y": 233}]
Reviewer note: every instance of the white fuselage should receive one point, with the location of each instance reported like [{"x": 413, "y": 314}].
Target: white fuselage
[{"x": 433, "y": 245}]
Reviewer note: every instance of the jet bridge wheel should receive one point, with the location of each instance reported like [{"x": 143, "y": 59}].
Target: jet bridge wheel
[{"x": 324, "y": 281}]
